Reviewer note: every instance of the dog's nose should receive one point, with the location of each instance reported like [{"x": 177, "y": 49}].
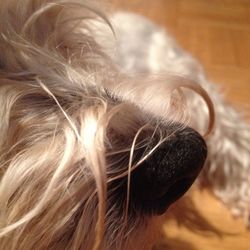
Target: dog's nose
[{"x": 169, "y": 172}]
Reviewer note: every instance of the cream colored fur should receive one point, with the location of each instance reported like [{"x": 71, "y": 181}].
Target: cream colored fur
[{"x": 80, "y": 92}]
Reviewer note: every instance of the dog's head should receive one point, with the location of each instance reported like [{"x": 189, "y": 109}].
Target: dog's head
[{"x": 88, "y": 156}]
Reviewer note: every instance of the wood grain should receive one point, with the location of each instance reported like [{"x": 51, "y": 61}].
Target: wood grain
[{"x": 217, "y": 32}]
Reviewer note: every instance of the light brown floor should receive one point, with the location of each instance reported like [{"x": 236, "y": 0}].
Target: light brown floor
[{"x": 217, "y": 32}]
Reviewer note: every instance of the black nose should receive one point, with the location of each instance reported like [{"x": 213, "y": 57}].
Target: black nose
[{"x": 169, "y": 172}]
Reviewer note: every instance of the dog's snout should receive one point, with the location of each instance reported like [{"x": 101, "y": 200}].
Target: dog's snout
[{"x": 169, "y": 172}]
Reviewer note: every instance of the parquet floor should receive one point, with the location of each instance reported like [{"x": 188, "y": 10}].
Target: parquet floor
[{"x": 217, "y": 32}]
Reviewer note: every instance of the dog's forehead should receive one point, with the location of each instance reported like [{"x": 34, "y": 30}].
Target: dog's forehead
[{"x": 150, "y": 59}]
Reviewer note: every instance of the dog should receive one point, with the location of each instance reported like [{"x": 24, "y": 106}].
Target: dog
[{"x": 104, "y": 123}]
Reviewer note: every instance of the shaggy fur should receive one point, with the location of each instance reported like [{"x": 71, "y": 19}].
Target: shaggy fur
[{"x": 80, "y": 94}]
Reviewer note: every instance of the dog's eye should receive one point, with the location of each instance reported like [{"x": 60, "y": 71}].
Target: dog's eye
[{"x": 111, "y": 96}]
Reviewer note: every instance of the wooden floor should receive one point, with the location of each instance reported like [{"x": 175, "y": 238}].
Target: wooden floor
[{"x": 217, "y": 32}]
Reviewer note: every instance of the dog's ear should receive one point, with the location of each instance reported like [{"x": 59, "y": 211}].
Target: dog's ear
[{"x": 50, "y": 39}]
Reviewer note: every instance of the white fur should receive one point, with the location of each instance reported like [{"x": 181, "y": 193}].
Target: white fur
[
  {"x": 78, "y": 97},
  {"x": 144, "y": 48}
]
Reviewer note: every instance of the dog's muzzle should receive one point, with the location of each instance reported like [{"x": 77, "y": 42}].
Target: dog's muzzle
[{"x": 169, "y": 172}]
